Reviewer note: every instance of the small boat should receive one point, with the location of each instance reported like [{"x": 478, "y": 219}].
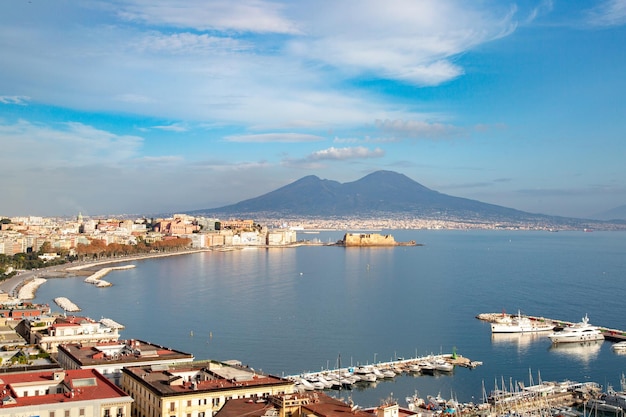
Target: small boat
[
  {"x": 601, "y": 405},
  {"x": 388, "y": 373},
  {"x": 619, "y": 347},
  {"x": 414, "y": 402},
  {"x": 578, "y": 332},
  {"x": 415, "y": 367},
  {"x": 442, "y": 366},
  {"x": 368, "y": 377},
  {"x": 427, "y": 367}
]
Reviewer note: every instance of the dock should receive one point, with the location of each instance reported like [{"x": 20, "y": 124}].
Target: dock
[
  {"x": 614, "y": 335},
  {"x": 344, "y": 378}
]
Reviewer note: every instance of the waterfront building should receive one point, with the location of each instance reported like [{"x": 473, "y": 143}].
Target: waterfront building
[
  {"x": 198, "y": 389},
  {"x": 60, "y": 393},
  {"x": 63, "y": 330},
  {"x": 281, "y": 237},
  {"x": 298, "y": 404},
  {"x": 109, "y": 358}
]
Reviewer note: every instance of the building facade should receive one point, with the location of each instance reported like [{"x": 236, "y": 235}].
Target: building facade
[
  {"x": 195, "y": 390},
  {"x": 109, "y": 358},
  {"x": 59, "y": 393}
]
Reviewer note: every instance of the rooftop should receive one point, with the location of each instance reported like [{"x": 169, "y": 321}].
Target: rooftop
[
  {"x": 316, "y": 403},
  {"x": 201, "y": 376},
  {"x": 126, "y": 351},
  {"x": 38, "y": 388}
]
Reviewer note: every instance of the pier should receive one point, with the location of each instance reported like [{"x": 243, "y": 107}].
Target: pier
[
  {"x": 614, "y": 335},
  {"x": 344, "y": 378}
]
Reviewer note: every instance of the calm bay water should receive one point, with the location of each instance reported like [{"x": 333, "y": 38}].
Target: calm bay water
[{"x": 287, "y": 311}]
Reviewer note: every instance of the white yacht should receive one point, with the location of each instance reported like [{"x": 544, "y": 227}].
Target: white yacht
[
  {"x": 619, "y": 347},
  {"x": 579, "y": 332},
  {"x": 519, "y": 324}
]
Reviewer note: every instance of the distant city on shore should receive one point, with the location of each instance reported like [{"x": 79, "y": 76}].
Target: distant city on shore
[{"x": 68, "y": 236}]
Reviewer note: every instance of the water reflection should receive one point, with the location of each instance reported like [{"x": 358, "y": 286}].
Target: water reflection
[
  {"x": 581, "y": 351},
  {"x": 521, "y": 340}
]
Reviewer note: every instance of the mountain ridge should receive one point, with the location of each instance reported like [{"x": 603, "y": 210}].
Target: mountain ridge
[{"x": 378, "y": 194}]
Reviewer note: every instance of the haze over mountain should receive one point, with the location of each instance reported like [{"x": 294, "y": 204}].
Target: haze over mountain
[
  {"x": 379, "y": 194},
  {"x": 617, "y": 213}
]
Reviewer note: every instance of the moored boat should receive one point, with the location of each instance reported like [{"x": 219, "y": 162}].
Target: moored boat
[
  {"x": 619, "y": 347},
  {"x": 578, "y": 332},
  {"x": 519, "y": 324}
]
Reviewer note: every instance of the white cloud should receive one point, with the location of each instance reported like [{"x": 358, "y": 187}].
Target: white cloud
[
  {"x": 275, "y": 137},
  {"x": 418, "y": 129},
  {"x": 21, "y": 100},
  {"x": 61, "y": 146},
  {"x": 242, "y": 15},
  {"x": 608, "y": 13},
  {"x": 188, "y": 44},
  {"x": 401, "y": 39},
  {"x": 174, "y": 127},
  {"x": 358, "y": 152},
  {"x": 171, "y": 69}
]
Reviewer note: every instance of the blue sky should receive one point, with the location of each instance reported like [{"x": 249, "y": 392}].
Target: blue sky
[{"x": 145, "y": 106}]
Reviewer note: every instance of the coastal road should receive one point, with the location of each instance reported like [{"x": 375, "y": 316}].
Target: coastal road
[{"x": 10, "y": 285}]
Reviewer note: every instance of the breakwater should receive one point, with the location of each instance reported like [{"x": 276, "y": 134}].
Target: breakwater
[
  {"x": 66, "y": 304},
  {"x": 96, "y": 278}
]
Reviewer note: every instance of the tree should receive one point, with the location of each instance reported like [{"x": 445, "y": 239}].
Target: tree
[{"x": 46, "y": 247}]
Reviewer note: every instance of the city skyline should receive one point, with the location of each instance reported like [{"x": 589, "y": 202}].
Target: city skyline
[{"x": 168, "y": 106}]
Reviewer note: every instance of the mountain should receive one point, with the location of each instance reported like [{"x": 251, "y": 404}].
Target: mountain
[
  {"x": 617, "y": 213},
  {"x": 379, "y": 194}
]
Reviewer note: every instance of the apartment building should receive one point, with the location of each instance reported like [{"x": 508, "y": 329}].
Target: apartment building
[
  {"x": 59, "y": 393},
  {"x": 63, "y": 330},
  {"x": 199, "y": 389},
  {"x": 110, "y": 357}
]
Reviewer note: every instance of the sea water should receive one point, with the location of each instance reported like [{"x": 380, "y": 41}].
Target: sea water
[{"x": 286, "y": 311}]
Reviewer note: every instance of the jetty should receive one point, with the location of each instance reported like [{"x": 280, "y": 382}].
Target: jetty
[
  {"x": 614, "y": 335},
  {"x": 96, "y": 278},
  {"x": 66, "y": 304}
]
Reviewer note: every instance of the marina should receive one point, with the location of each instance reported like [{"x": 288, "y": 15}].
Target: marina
[{"x": 345, "y": 378}]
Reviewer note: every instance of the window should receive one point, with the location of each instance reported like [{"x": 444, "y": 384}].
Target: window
[
  {"x": 81, "y": 411},
  {"x": 188, "y": 403},
  {"x": 172, "y": 406},
  {"x": 67, "y": 413},
  {"x": 51, "y": 414},
  {"x": 107, "y": 412}
]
